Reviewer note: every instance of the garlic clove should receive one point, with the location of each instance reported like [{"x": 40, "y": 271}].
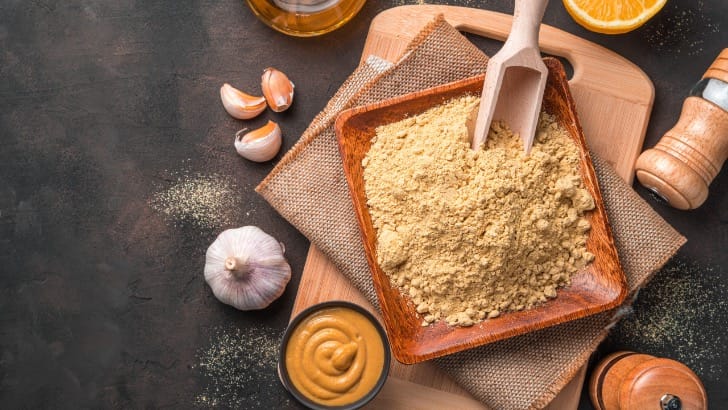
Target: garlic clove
[
  {"x": 259, "y": 145},
  {"x": 277, "y": 89},
  {"x": 239, "y": 104},
  {"x": 245, "y": 268}
]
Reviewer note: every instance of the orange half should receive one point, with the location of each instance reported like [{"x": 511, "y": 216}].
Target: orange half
[{"x": 612, "y": 16}]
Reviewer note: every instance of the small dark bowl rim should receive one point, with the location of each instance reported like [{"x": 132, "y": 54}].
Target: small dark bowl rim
[{"x": 283, "y": 371}]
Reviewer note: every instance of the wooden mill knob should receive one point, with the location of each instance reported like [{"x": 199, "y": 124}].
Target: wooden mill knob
[
  {"x": 689, "y": 156},
  {"x": 633, "y": 381}
]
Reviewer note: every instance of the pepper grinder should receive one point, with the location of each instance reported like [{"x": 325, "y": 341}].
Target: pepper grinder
[
  {"x": 687, "y": 158},
  {"x": 633, "y": 381}
]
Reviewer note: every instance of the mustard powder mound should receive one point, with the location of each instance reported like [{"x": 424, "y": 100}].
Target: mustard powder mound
[{"x": 469, "y": 235}]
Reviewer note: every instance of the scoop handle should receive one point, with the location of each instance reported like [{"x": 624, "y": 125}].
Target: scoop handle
[{"x": 527, "y": 16}]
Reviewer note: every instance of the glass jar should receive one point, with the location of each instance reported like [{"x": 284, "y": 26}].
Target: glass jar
[{"x": 305, "y": 18}]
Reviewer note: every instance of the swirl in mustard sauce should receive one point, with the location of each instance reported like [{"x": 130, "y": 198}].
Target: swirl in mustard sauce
[{"x": 335, "y": 356}]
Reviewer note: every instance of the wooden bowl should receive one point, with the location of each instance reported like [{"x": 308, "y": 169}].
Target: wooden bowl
[{"x": 599, "y": 286}]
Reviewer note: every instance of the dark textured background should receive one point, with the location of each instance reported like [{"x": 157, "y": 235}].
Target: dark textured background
[{"x": 102, "y": 299}]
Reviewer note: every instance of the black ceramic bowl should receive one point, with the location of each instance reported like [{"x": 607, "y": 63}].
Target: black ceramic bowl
[{"x": 283, "y": 370}]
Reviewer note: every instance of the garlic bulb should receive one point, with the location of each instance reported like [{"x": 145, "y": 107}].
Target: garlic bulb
[
  {"x": 277, "y": 89},
  {"x": 239, "y": 104},
  {"x": 245, "y": 268},
  {"x": 261, "y": 144}
]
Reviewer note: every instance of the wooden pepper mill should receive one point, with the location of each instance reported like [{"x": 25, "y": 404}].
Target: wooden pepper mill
[
  {"x": 634, "y": 381},
  {"x": 687, "y": 158}
]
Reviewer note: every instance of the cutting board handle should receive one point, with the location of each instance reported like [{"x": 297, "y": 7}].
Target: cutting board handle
[{"x": 586, "y": 58}]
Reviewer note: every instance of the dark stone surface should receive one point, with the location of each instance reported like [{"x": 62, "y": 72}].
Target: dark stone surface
[{"x": 102, "y": 104}]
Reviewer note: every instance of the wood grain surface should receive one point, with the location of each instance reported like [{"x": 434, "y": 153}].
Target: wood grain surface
[
  {"x": 513, "y": 90},
  {"x": 689, "y": 156},
  {"x": 598, "y": 287},
  {"x": 629, "y": 380},
  {"x": 605, "y": 87}
]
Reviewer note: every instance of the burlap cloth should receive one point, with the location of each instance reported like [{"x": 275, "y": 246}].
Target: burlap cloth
[{"x": 309, "y": 189}]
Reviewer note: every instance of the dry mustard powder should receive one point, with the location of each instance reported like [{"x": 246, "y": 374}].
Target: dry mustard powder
[{"x": 469, "y": 234}]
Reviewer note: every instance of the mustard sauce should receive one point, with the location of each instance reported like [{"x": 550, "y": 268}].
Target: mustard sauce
[{"x": 335, "y": 356}]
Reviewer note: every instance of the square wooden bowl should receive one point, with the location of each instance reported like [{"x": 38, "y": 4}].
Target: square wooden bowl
[{"x": 599, "y": 286}]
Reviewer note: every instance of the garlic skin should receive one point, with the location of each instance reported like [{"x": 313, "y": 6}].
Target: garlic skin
[
  {"x": 277, "y": 89},
  {"x": 245, "y": 268},
  {"x": 259, "y": 145},
  {"x": 239, "y": 104}
]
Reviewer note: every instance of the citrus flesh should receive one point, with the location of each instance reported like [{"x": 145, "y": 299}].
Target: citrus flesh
[{"x": 612, "y": 16}]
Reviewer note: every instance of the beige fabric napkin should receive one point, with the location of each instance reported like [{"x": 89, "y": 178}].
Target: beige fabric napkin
[{"x": 309, "y": 189}]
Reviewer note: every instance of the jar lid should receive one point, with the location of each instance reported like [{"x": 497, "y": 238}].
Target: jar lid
[{"x": 662, "y": 384}]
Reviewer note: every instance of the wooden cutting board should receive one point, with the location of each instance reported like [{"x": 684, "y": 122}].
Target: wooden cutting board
[{"x": 613, "y": 99}]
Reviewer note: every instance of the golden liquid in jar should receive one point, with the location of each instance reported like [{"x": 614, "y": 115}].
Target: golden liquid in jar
[{"x": 305, "y": 18}]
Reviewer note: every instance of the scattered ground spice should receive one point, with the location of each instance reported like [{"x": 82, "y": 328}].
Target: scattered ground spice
[
  {"x": 471, "y": 234},
  {"x": 237, "y": 366},
  {"x": 680, "y": 314},
  {"x": 680, "y": 29},
  {"x": 205, "y": 201}
]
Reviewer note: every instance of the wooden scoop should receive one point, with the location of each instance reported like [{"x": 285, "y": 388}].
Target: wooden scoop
[{"x": 515, "y": 79}]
